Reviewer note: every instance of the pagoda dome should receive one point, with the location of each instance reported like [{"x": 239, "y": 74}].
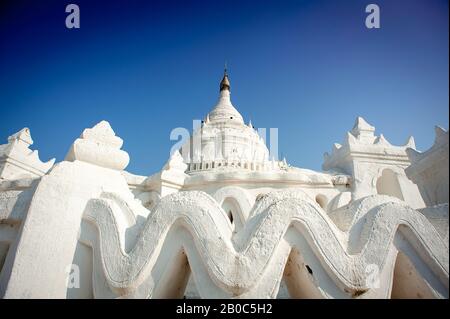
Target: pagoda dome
[{"x": 224, "y": 136}]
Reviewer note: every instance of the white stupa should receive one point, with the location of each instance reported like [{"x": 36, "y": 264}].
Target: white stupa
[
  {"x": 224, "y": 219},
  {"x": 224, "y": 139}
]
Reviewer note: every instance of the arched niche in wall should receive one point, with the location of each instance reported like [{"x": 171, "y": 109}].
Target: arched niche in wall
[
  {"x": 233, "y": 211},
  {"x": 322, "y": 201},
  {"x": 239, "y": 198},
  {"x": 407, "y": 282},
  {"x": 387, "y": 184},
  {"x": 415, "y": 276}
]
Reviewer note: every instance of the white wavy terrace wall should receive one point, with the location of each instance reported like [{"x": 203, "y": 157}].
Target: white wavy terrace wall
[
  {"x": 129, "y": 251},
  {"x": 284, "y": 226}
]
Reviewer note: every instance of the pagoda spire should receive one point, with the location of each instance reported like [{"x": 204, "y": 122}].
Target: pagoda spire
[
  {"x": 224, "y": 109},
  {"x": 225, "y": 83}
]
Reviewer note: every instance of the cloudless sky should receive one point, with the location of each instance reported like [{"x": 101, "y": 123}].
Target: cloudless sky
[{"x": 306, "y": 67}]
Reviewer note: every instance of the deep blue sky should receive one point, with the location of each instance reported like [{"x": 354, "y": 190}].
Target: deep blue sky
[{"x": 306, "y": 67}]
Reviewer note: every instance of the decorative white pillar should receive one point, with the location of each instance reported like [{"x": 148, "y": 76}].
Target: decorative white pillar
[{"x": 45, "y": 248}]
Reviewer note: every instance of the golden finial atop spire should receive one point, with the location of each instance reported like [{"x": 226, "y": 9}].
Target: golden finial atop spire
[{"x": 225, "y": 83}]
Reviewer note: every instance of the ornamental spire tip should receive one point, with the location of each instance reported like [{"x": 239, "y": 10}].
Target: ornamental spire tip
[{"x": 225, "y": 83}]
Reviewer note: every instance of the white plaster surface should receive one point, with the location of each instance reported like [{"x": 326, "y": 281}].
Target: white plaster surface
[
  {"x": 429, "y": 170},
  {"x": 225, "y": 224}
]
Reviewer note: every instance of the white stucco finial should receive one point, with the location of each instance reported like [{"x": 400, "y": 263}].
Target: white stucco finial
[
  {"x": 362, "y": 125},
  {"x": 23, "y": 135},
  {"x": 100, "y": 146}
]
